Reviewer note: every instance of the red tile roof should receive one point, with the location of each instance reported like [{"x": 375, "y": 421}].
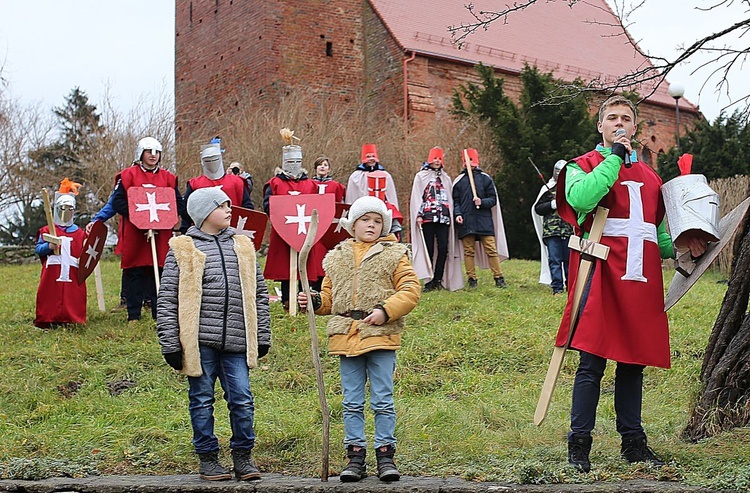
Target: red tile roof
[{"x": 584, "y": 40}]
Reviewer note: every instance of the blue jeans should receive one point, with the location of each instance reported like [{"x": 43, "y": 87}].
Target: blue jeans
[
  {"x": 558, "y": 257},
  {"x": 234, "y": 376},
  {"x": 628, "y": 396},
  {"x": 378, "y": 366}
]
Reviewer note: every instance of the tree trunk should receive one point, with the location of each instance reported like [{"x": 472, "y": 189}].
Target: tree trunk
[{"x": 724, "y": 402}]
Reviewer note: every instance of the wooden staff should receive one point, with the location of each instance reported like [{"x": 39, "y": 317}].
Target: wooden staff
[
  {"x": 293, "y": 267},
  {"x": 51, "y": 237},
  {"x": 590, "y": 250},
  {"x": 424, "y": 248},
  {"x": 470, "y": 172},
  {"x": 303, "y": 254},
  {"x": 99, "y": 288},
  {"x": 152, "y": 239}
]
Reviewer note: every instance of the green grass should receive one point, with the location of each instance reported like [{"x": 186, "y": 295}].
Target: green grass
[{"x": 467, "y": 383}]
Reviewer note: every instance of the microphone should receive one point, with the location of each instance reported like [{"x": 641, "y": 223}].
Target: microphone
[{"x": 619, "y": 133}]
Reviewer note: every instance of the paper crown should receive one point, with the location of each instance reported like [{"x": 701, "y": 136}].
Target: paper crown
[
  {"x": 369, "y": 149},
  {"x": 435, "y": 152},
  {"x": 473, "y": 156}
]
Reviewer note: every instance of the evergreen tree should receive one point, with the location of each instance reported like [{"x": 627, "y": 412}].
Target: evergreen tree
[
  {"x": 719, "y": 149},
  {"x": 529, "y": 130}
]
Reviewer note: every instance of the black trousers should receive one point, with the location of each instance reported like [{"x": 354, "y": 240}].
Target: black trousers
[
  {"x": 436, "y": 233},
  {"x": 587, "y": 389},
  {"x": 140, "y": 285}
]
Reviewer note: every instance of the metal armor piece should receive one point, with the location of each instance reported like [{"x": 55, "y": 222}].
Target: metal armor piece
[
  {"x": 691, "y": 205},
  {"x": 213, "y": 165},
  {"x": 64, "y": 211},
  {"x": 147, "y": 143},
  {"x": 291, "y": 161}
]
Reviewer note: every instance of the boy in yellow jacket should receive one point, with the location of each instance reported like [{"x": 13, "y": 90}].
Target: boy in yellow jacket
[{"x": 369, "y": 286}]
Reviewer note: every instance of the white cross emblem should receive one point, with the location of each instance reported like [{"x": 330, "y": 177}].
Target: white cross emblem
[
  {"x": 152, "y": 207},
  {"x": 241, "y": 221},
  {"x": 301, "y": 219},
  {"x": 337, "y": 220},
  {"x": 91, "y": 252},
  {"x": 64, "y": 259},
  {"x": 636, "y": 230}
]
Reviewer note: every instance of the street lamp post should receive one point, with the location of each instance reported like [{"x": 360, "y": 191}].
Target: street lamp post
[{"x": 677, "y": 90}]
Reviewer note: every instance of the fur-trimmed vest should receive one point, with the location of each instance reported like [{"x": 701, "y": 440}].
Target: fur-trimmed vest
[
  {"x": 362, "y": 288},
  {"x": 191, "y": 263}
]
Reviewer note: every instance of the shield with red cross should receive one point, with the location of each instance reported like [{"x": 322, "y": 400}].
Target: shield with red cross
[
  {"x": 152, "y": 207},
  {"x": 336, "y": 232},
  {"x": 91, "y": 252},
  {"x": 291, "y": 216},
  {"x": 249, "y": 223}
]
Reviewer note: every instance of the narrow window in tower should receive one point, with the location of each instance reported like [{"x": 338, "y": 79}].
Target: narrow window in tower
[
  {"x": 329, "y": 48},
  {"x": 191, "y": 13}
]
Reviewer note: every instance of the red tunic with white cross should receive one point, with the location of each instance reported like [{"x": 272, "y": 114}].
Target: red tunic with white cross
[
  {"x": 622, "y": 318},
  {"x": 59, "y": 298},
  {"x": 136, "y": 250}
]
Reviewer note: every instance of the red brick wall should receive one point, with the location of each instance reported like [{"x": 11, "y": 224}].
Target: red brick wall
[{"x": 234, "y": 52}]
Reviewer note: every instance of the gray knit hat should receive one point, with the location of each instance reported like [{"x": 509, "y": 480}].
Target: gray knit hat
[
  {"x": 203, "y": 202},
  {"x": 362, "y": 206}
]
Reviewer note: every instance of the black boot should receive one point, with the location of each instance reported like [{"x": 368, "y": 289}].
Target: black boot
[
  {"x": 210, "y": 468},
  {"x": 386, "y": 467},
  {"x": 431, "y": 286},
  {"x": 579, "y": 448},
  {"x": 472, "y": 283},
  {"x": 500, "y": 282},
  {"x": 356, "y": 469},
  {"x": 244, "y": 467},
  {"x": 636, "y": 449}
]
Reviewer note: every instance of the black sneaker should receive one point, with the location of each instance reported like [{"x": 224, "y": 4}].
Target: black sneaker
[
  {"x": 386, "y": 466},
  {"x": 356, "y": 469},
  {"x": 472, "y": 283},
  {"x": 210, "y": 468}
]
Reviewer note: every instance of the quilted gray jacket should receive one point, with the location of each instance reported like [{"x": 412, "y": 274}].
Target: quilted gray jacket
[{"x": 221, "y": 321}]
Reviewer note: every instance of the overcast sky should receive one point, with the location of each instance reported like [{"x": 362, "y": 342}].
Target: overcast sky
[{"x": 126, "y": 47}]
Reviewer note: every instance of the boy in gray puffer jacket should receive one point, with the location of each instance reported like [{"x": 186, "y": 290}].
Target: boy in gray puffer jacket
[{"x": 213, "y": 322}]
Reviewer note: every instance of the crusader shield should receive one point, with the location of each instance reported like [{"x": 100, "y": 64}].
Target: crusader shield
[
  {"x": 249, "y": 223},
  {"x": 91, "y": 252},
  {"x": 336, "y": 232},
  {"x": 727, "y": 227},
  {"x": 152, "y": 207},
  {"x": 291, "y": 215},
  {"x": 376, "y": 183}
]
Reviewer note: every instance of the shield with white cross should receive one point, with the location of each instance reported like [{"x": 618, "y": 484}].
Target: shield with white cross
[
  {"x": 249, "y": 223},
  {"x": 152, "y": 207},
  {"x": 291, "y": 216},
  {"x": 91, "y": 252},
  {"x": 336, "y": 232}
]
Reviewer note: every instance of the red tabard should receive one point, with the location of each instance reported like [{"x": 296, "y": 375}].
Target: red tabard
[
  {"x": 337, "y": 189},
  {"x": 277, "y": 261},
  {"x": 232, "y": 185},
  {"x": 136, "y": 250},
  {"x": 60, "y": 301},
  {"x": 623, "y": 318}
]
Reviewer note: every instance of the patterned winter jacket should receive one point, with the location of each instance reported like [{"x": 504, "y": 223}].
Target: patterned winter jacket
[{"x": 212, "y": 294}]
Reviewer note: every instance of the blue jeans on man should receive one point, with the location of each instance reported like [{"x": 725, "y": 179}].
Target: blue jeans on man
[
  {"x": 558, "y": 257},
  {"x": 234, "y": 375},
  {"x": 377, "y": 366}
]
